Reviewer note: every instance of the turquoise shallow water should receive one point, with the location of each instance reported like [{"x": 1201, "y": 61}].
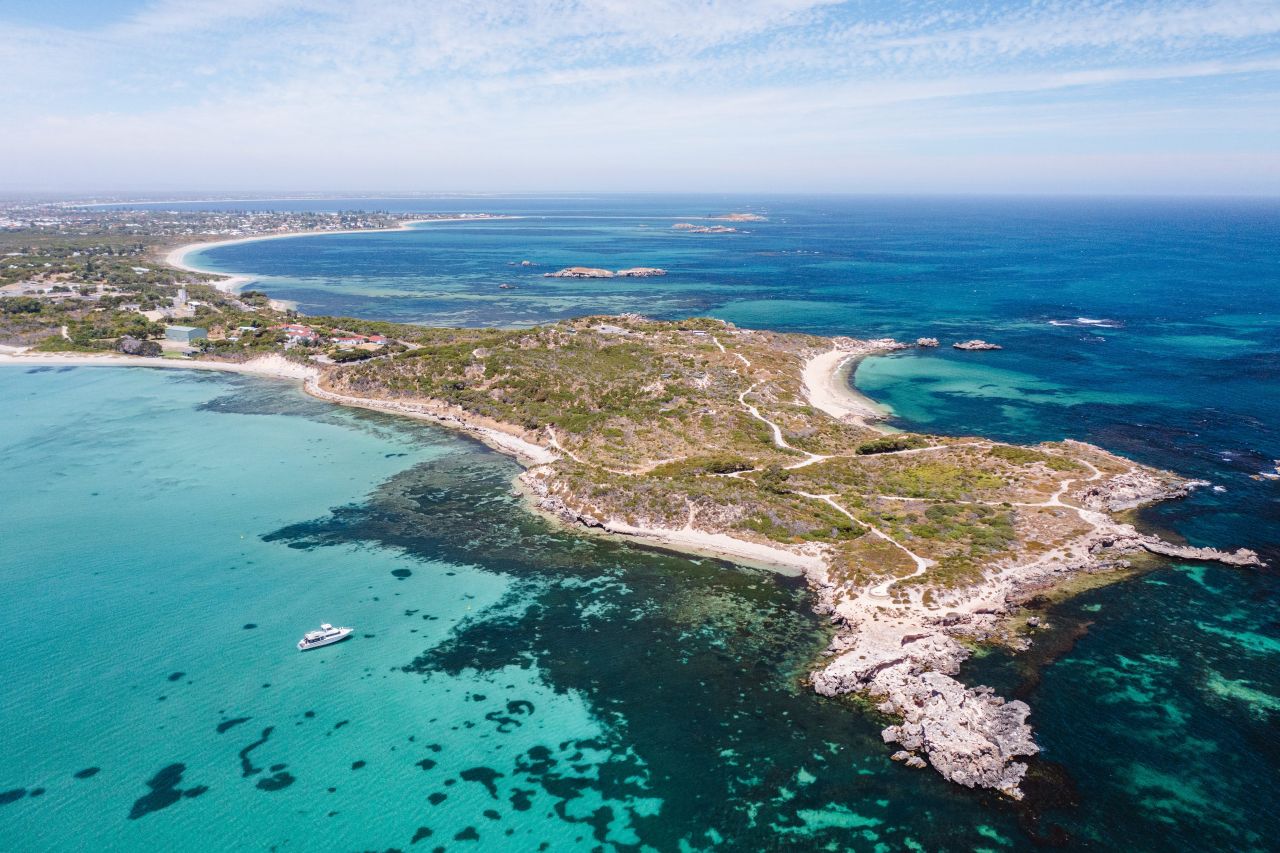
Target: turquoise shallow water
[
  {"x": 151, "y": 628},
  {"x": 1155, "y": 700},
  {"x": 516, "y": 689}
]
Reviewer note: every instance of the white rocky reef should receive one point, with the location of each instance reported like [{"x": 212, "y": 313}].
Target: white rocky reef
[
  {"x": 968, "y": 734},
  {"x": 1134, "y": 488},
  {"x": 690, "y": 228},
  {"x": 595, "y": 272}
]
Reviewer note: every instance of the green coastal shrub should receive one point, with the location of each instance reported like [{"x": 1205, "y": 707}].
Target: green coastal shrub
[
  {"x": 891, "y": 444},
  {"x": 773, "y": 479}
]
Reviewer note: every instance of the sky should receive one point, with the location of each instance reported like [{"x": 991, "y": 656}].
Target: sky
[{"x": 753, "y": 96}]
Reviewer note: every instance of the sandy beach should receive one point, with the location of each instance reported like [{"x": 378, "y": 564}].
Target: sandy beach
[
  {"x": 269, "y": 366},
  {"x": 720, "y": 546},
  {"x": 826, "y": 383}
]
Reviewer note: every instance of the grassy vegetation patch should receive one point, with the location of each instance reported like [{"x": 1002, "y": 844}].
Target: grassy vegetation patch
[
  {"x": 938, "y": 480},
  {"x": 867, "y": 559},
  {"x": 719, "y": 464},
  {"x": 1027, "y": 456}
]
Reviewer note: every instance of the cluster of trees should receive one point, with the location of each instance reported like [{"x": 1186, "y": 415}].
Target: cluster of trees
[
  {"x": 133, "y": 346},
  {"x": 106, "y": 329},
  {"x": 21, "y": 305}
]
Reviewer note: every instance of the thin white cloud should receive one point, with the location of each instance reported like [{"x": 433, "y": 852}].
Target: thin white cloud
[{"x": 308, "y": 82}]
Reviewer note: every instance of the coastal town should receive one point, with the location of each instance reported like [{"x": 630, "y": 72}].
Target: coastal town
[
  {"x": 86, "y": 278},
  {"x": 44, "y": 219}
]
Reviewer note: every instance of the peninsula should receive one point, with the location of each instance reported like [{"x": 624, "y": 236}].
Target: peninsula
[
  {"x": 697, "y": 436},
  {"x": 700, "y": 436}
]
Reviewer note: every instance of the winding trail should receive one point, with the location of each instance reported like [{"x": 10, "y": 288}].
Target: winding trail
[
  {"x": 882, "y": 590},
  {"x": 778, "y": 440},
  {"x": 879, "y": 594},
  {"x": 923, "y": 564}
]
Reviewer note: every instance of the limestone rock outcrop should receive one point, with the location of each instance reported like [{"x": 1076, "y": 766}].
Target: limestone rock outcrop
[
  {"x": 596, "y": 272},
  {"x": 1132, "y": 489},
  {"x": 969, "y": 735}
]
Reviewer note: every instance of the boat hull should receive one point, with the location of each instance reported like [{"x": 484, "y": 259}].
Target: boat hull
[{"x": 304, "y": 646}]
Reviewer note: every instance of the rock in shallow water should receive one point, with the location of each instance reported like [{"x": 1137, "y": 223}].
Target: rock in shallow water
[{"x": 971, "y": 736}]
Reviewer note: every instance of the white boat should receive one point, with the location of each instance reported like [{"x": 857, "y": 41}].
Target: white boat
[{"x": 327, "y": 635}]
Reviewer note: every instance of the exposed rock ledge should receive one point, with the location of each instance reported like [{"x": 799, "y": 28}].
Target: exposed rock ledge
[
  {"x": 906, "y": 656},
  {"x": 969, "y": 735},
  {"x": 1126, "y": 491},
  {"x": 595, "y": 272},
  {"x": 976, "y": 344},
  {"x": 1125, "y": 539}
]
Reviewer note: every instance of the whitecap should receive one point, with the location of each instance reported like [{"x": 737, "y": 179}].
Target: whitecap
[{"x": 1087, "y": 322}]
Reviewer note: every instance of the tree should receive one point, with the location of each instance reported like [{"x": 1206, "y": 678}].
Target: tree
[
  {"x": 133, "y": 346},
  {"x": 773, "y": 479}
]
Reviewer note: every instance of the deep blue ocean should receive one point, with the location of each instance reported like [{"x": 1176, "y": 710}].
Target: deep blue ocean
[{"x": 575, "y": 693}]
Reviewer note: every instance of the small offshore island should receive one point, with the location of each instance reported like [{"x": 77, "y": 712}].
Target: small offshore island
[{"x": 692, "y": 435}]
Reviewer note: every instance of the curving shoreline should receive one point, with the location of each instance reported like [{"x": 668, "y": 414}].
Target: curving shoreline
[
  {"x": 267, "y": 366},
  {"x": 232, "y": 282},
  {"x": 901, "y": 645},
  {"x": 827, "y": 380},
  {"x": 688, "y": 541}
]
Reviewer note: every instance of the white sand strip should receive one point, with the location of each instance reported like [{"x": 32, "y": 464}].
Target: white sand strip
[
  {"x": 826, "y": 384},
  {"x": 272, "y": 366}
]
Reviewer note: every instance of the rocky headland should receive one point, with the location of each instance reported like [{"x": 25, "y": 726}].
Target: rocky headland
[{"x": 707, "y": 438}]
